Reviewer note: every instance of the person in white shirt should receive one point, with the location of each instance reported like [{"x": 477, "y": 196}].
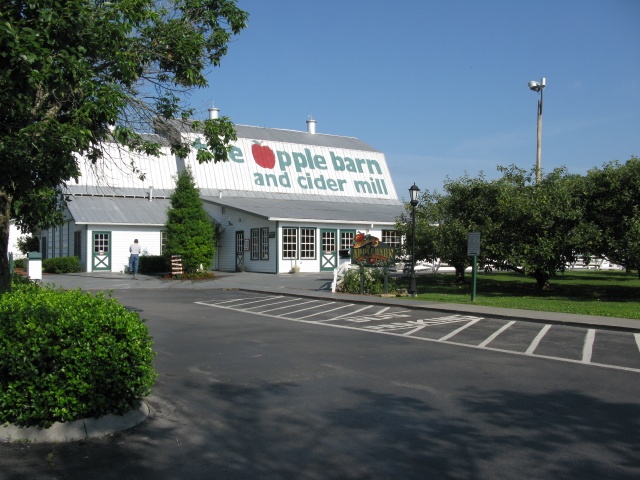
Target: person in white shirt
[{"x": 134, "y": 250}]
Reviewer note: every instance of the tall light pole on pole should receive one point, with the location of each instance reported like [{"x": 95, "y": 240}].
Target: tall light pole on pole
[
  {"x": 539, "y": 87},
  {"x": 413, "y": 288}
]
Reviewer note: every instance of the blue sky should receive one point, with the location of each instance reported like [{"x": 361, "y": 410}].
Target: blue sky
[{"x": 441, "y": 87}]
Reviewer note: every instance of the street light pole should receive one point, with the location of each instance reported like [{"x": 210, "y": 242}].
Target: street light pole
[
  {"x": 539, "y": 87},
  {"x": 413, "y": 192}
]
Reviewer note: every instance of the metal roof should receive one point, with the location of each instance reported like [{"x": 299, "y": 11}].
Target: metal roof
[
  {"x": 306, "y": 210},
  {"x": 140, "y": 211},
  {"x": 297, "y": 197},
  {"x": 106, "y": 191},
  {"x": 281, "y": 135},
  {"x": 118, "y": 210},
  {"x": 154, "y": 137},
  {"x": 302, "y": 138}
]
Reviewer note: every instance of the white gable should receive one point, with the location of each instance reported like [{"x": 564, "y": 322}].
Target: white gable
[{"x": 261, "y": 166}]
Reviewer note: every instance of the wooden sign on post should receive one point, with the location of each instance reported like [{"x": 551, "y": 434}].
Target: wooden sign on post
[{"x": 369, "y": 251}]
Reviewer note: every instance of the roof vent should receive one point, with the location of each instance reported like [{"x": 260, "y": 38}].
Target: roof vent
[
  {"x": 213, "y": 113},
  {"x": 311, "y": 125}
]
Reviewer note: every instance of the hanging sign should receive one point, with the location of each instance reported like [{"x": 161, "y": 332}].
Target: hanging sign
[{"x": 369, "y": 251}]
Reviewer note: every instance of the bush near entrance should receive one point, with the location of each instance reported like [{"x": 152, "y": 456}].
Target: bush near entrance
[
  {"x": 61, "y": 265},
  {"x": 69, "y": 355},
  {"x": 373, "y": 281}
]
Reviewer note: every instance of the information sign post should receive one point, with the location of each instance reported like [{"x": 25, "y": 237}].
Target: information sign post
[{"x": 473, "y": 250}]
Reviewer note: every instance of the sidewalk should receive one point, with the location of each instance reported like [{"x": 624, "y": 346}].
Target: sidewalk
[{"x": 318, "y": 285}]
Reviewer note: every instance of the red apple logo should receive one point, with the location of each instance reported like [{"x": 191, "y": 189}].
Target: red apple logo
[
  {"x": 263, "y": 156},
  {"x": 359, "y": 237}
]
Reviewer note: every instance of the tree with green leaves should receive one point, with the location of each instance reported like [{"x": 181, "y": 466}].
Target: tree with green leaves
[
  {"x": 443, "y": 221},
  {"x": 613, "y": 212},
  {"x": 28, "y": 243},
  {"x": 538, "y": 226},
  {"x": 81, "y": 73},
  {"x": 189, "y": 229},
  {"x": 532, "y": 228}
]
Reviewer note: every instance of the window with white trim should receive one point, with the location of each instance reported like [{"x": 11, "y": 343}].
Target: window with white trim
[
  {"x": 307, "y": 243},
  {"x": 391, "y": 238},
  {"x": 264, "y": 243},
  {"x": 289, "y": 243},
  {"x": 163, "y": 241},
  {"x": 346, "y": 239},
  {"x": 255, "y": 244}
]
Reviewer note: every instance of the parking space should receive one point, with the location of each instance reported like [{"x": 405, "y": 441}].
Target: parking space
[{"x": 587, "y": 346}]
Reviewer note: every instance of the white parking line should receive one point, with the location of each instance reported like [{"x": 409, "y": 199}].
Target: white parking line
[
  {"x": 430, "y": 322},
  {"x": 346, "y": 314},
  {"x": 288, "y": 306},
  {"x": 383, "y": 310},
  {"x": 455, "y": 332},
  {"x": 240, "y": 299},
  {"x": 587, "y": 349},
  {"x": 303, "y": 309},
  {"x": 279, "y": 303},
  {"x": 528, "y": 353},
  {"x": 493, "y": 337},
  {"x": 255, "y": 301},
  {"x": 537, "y": 340},
  {"x": 273, "y": 303},
  {"x": 327, "y": 311}
]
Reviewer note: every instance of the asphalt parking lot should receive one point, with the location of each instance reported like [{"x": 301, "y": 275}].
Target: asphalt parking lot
[
  {"x": 605, "y": 348},
  {"x": 295, "y": 383}
]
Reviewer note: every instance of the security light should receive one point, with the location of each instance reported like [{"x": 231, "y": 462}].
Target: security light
[{"x": 535, "y": 86}]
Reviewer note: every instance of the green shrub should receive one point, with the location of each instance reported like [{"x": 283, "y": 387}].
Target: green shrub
[
  {"x": 373, "y": 281},
  {"x": 17, "y": 279},
  {"x": 20, "y": 263},
  {"x": 69, "y": 355},
  {"x": 154, "y": 264},
  {"x": 61, "y": 265}
]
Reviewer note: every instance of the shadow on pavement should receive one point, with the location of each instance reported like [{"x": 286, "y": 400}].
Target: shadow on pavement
[{"x": 267, "y": 432}]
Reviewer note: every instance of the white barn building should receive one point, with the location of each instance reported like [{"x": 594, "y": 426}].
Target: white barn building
[{"x": 283, "y": 198}]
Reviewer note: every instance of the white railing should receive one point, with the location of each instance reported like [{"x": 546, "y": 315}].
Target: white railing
[{"x": 338, "y": 276}]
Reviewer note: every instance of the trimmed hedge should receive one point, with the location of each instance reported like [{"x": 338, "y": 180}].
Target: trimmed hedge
[
  {"x": 154, "y": 264},
  {"x": 61, "y": 265},
  {"x": 69, "y": 355}
]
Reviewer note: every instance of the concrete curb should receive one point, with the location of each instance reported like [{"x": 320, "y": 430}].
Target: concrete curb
[{"x": 76, "y": 430}]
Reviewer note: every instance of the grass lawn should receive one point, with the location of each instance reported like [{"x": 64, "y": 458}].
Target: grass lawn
[{"x": 605, "y": 293}]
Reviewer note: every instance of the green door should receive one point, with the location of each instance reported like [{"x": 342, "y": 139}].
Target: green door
[
  {"x": 101, "y": 258},
  {"x": 329, "y": 250}
]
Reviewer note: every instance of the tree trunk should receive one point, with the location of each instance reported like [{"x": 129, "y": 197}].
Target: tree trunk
[
  {"x": 5, "y": 216},
  {"x": 459, "y": 273},
  {"x": 542, "y": 279}
]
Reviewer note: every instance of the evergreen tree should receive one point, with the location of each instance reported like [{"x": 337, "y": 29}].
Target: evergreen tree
[{"x": 190, "y": 232}]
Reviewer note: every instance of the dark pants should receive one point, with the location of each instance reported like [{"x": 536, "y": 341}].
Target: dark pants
[{"x": 133, "y": 263}]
